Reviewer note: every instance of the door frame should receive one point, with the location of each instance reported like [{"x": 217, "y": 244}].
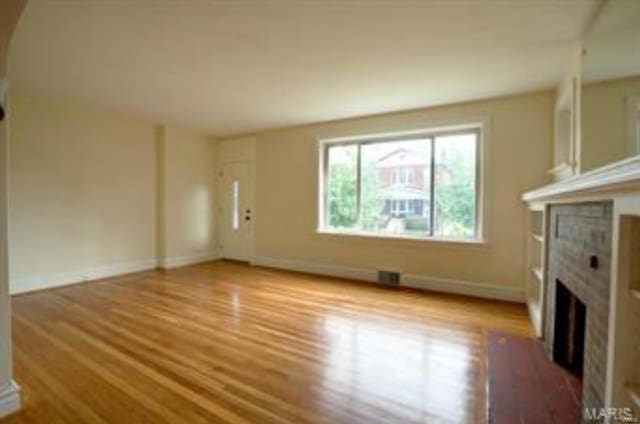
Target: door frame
[{"x": 220, "y": 197}]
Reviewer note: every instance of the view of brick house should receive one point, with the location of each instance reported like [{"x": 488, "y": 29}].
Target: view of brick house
[
  {"x": 404, "y": 179},
  {"x": 395, "y": 186}
]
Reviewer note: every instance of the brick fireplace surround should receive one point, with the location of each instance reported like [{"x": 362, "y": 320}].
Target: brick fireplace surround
[{"x": 578, "y": 233}]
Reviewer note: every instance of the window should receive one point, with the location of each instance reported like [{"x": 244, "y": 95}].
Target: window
[
  {"x": 421, "y": 186},
  {"x": 402, "y": 207},
  {"x": 401, "y": 176}
]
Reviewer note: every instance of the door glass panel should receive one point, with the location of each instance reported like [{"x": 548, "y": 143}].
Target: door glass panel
[{"x": 235, "y": 205}]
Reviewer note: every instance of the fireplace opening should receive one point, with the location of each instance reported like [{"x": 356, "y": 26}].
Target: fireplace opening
[{"x": 569, "y": 331}]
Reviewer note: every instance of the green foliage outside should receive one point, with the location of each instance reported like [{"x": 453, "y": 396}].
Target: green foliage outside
[
  {"x": 455, "y": 197},
  {"x": 342, "y": 196},
  {"x": 416, "y": 224},
  {"x": 372, "y": 201}
]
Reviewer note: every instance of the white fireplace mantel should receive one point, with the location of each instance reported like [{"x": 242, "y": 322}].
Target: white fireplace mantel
[{"x": 608, "y": 181}]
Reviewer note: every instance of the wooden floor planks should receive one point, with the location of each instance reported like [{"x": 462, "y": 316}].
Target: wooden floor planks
[{"x": 225, "y": 342}]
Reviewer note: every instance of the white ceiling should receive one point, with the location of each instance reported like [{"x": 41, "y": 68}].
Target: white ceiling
[{"x": 229, "y": 67}]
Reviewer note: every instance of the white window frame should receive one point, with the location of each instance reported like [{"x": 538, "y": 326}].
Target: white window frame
[
  {"x": 481, "y": 123},
  {"x": 395, "y": 176},
  {"x": 408, "y": 175}
]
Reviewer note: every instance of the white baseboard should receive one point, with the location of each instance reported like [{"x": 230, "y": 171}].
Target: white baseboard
[
  {"x": 351, "y": 273},
  {"x": 178, "y": 261},
  {"x": 9, "y": 399},
  {"x": 27, "y": 284},
  {"x": 467, "y": 288}
]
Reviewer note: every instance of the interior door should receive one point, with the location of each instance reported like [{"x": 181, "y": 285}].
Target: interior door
[{"x": 236, "y": 211}]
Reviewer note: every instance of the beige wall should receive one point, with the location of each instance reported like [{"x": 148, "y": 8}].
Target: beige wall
[
  {"x": 519, "y": 155},
  {"x": 188, "y": 181},
  {"x": 92, "y": 189},
  {"x": 236, "y": 149},
  {"x": 82, "y": 192},
  {"x": 604, "y": 121},
  {"x": 95, "y": 193}
]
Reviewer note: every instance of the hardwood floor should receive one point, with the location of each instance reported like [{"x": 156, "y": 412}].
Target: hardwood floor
[{"x": 224, "y": 342}]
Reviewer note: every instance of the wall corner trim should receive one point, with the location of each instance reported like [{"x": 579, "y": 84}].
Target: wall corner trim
[
  {"x": 422, "y": 282},
  {"x": 10, "y": 399}
]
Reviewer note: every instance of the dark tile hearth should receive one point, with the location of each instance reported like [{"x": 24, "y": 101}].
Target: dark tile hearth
[{"x": 526, "y": 387}]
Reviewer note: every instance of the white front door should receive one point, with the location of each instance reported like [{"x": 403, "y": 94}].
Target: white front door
[{"x": 236, "y": 211}]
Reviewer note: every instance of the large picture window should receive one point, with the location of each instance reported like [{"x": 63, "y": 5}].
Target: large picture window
[{"x": 422, "y": 186}]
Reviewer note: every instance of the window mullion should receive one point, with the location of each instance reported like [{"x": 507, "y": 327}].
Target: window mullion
[
  {"x": 478, "y": 186},
  {"x": 358, "y": 185},
  {"x": 325, "y": 186},
  {"x": 432, "y": 170}
]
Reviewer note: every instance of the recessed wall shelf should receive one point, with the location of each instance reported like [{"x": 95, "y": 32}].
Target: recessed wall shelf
[{"x": 535, "y": 266}]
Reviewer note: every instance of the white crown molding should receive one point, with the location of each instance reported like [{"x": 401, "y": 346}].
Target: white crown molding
[
  {"x": 9, "y": 399},
  {"x": 178, "y": 261},
  {"x": 28, "y": 284},
  {"x": 619, "y": 177},
  {"x": 514, "y": 294}
]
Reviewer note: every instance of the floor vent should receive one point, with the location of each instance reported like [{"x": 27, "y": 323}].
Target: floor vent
[{"x": 389, "y": 278}]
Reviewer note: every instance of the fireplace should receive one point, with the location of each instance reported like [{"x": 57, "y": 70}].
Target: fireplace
[
  {"x": 569, "y": 331},
  {"x": 577, "y": 292}
]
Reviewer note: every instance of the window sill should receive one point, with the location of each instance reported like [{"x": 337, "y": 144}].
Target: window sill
[{"x": 406, "y": 240}]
